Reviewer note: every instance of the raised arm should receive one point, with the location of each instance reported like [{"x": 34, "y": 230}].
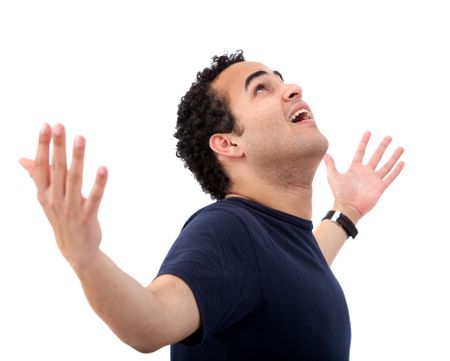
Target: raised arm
[
  {"x": 146, "y": 318},
  {"x": 356, "y": 191}
]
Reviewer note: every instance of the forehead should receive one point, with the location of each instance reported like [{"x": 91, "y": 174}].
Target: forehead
[{"x": 232, "y": 79}]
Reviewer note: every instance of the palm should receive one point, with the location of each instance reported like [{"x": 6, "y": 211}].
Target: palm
[
  {"x": 362, "y": 185},
  {"x": 73, "y": 217}
]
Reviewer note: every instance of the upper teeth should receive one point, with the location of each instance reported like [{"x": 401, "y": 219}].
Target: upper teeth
[{"x": 298, "y": 112}]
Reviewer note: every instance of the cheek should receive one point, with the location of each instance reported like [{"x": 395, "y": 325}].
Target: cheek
[
  {"x": 264, "y": 126},
  {"x": 263, "y": 141},
  {"x": 265, "y": 110}
]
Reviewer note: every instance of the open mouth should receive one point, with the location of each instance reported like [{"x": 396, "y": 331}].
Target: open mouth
[{"x": 300, "y": 115}]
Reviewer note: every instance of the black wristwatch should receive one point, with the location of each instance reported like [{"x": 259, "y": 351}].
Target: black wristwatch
[{"x": 343, "y": 221}]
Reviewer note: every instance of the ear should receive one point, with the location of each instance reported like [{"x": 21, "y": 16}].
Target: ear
[{"x": 224, "y": 144}]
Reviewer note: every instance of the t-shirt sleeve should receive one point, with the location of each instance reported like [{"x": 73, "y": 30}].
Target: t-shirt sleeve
[{"x": 214, "y": 255}]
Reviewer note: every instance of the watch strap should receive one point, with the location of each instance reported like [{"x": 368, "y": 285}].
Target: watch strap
[{"x": 345, "y": 222}]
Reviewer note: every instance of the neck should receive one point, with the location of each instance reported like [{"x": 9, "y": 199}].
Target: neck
[
  {"x": 286, "y": 188},
  {"x": 295, "y": 200}
]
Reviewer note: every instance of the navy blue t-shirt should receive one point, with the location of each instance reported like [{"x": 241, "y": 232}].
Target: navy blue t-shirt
[{"x": 262, "y": 286}]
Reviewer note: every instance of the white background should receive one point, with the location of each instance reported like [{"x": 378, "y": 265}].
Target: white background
[{"x": 115, "y": 71}]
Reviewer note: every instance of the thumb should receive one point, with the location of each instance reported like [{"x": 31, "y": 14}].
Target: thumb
[
  {"x": 28, "y": 164},
  {"x": 331, "y": 166}
]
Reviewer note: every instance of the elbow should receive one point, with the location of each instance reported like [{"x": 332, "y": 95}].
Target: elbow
[
  {"x": 145, "y": 347},
  {"x": 143, "y": 342}
]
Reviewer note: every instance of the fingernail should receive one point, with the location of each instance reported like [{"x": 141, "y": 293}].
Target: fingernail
[
  {"x": 57, "y": 130},
  {"x": 102, "y": 171},
  {"x": 78, "y": 141},
  {"x": 44, "y": 129}
]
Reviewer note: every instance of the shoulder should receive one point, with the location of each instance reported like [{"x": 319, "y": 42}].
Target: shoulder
[
  {"x": 219, "y": 216},
  {"x": 217, "y": 231}
]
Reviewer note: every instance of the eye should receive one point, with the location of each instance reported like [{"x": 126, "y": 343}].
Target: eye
[{"x": 259, "y": 89}]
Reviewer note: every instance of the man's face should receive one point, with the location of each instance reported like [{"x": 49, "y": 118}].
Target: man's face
[{"x": 279, "y": 127}]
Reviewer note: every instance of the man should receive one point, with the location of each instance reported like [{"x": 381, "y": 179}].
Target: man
[{"x": 246, "y": 279}]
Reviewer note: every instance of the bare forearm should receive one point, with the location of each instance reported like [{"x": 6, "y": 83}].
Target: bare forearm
[
  {"x": 145, "y": 318},
  {"x": 331, "y": 236},
  {"x": 357, "y": 190},
  {"x": 129, "y": 309}
]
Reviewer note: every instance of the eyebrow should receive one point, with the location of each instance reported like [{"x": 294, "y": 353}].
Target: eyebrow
[{"x": 259, "y": 73}]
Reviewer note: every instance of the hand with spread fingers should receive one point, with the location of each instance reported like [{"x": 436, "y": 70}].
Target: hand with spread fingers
[
  {"x": 72, "y": 216},
  {"x": 146, "y": 318},
  {"x": 358, "y": 190},
  {"x": 204, "y": 300}
]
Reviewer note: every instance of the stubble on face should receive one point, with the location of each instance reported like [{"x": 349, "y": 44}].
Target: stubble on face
[
  {"x": 276, "y": 151},
  {"x": 288, "y": 163}
]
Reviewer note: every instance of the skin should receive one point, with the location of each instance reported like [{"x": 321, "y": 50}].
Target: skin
[
  {"x": 272, "y": 162},
  {"x": 146, "y": 318}
]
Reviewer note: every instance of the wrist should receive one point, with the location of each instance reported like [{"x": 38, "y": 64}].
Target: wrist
[
  {"x": 343, "y": 221},
  {"x": 86, "y": 264},
  {"x": 349, "y": 211}
]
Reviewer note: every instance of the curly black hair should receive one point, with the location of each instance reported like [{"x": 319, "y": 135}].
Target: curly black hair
[{"x": 202, "y": 113}]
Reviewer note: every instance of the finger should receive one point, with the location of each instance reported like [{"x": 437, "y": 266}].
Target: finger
[
  {"x": 41, "y": 169},
  {"x": 383, "y": 171},
  {"x": 75, "y": 175},
  {"x": 28, "y": 164},
  {"x": 379, "y": 152},
  {"x": 59, "y": 163},
  {"x": 394, "y": 174},
  {"x": 330, "y": 164},
  {"x": 361, "y": 150},
  {"x": 93, "y": 201}
]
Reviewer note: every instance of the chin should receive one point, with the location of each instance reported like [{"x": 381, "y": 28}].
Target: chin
[
  {"x": 325, "y": 144},
  {"x": 319, "y": 146}
]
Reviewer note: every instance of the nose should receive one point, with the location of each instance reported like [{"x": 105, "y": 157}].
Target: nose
[{"x": 292, "y": 91}]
